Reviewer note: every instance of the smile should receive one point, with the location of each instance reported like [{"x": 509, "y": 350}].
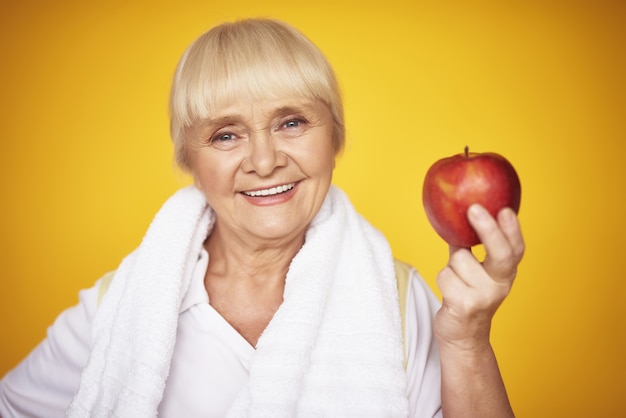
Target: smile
[{"x": 272, "y": 191}]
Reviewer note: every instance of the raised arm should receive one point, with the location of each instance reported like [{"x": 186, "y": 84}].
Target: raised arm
[{"x": 472, "y": 291}]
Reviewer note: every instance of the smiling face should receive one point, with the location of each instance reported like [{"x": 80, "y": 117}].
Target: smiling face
[{"x": 264, "y": 166}]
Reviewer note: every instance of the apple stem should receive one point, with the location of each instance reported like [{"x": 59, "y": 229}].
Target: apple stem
[{"x": 466, "y": 151}]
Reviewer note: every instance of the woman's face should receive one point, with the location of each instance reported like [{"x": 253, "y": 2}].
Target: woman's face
[{"x": 265, "y": 166}]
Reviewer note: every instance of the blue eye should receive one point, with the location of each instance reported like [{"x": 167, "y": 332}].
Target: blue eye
[
  {"x": 293, "y": 123},
  {"x": 223, "y": 137}
]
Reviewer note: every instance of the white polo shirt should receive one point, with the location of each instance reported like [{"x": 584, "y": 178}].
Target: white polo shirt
[{"x": 210, "y": 363}]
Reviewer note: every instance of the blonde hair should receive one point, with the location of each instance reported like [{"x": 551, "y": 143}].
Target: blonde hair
[{"x": 255, "y": 59}]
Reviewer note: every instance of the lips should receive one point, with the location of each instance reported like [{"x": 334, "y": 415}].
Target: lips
[{"x": 271, "y": 191}]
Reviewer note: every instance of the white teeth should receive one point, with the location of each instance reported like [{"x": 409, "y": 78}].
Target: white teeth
[{"x": 272, "y": 191}]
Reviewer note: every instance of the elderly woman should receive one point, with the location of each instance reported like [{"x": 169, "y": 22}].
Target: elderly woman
[{"x": 259, "y": 291}]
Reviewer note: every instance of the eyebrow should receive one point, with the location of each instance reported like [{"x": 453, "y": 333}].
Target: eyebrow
[
  {"x": 232, "y": 119},
  {"x": 221, "y": 121},
  {"x": 288, "y": 110}
]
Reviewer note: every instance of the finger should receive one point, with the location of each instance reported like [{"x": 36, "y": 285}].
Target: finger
[
  {"x": 452, "y": 287},
  {"x": 471, "y": 291},
  {"x": 465, "y": 266},
  {"x": 453, "y": 249},
  {"x": 500, "y": 260},
  {"x": 509, "y": 224}
]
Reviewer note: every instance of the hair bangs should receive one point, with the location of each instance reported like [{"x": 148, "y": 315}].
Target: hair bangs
[{"x": 248, "y": 60}]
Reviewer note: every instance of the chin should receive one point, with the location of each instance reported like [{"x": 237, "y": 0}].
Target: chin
[{"x": 278, "y": 228}]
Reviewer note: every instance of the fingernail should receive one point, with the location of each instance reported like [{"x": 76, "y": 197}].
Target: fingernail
[
  {"x": 477, "y": 212},
  {"x": 507, "y": 216}
]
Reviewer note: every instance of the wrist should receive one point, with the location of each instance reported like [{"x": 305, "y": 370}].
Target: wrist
[{"x": 452, "y": 333}]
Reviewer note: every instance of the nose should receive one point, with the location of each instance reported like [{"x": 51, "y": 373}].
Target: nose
[{"x": 264, "y": 156}]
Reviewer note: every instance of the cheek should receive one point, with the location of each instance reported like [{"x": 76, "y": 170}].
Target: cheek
[
  {"x": 329, "y": 157},
  {"x": 329, "y": 162},
  {"x": 315, "y": 161},
  {"x": 324, "y": 150},
  {"x": 209, "y": 172}
]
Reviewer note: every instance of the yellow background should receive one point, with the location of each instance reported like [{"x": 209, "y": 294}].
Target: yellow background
[{"x": 86, "y": 155}]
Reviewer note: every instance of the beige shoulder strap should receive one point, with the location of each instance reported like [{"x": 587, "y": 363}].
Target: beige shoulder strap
[
  {"x": 104, "y": 285},
  {"x": 403, "y": 271}
]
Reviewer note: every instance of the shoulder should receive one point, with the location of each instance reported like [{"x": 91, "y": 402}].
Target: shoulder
[
  {"x": 411, "y": 285},
  {"x": 105, "y": 282},
  {"x": 403, "y": 273},
  {"x": 403, "y": 269},
  {"x": 419, "y": 306},
  {"x": 417, "y": 300},
  {"x": 44, "y": 382}
]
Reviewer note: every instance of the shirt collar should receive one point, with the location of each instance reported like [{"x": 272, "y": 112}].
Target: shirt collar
[{"x": 196, "y": 293}]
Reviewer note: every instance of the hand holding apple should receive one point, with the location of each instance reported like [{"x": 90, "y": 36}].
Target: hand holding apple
[{"x": 454, "y": 183}]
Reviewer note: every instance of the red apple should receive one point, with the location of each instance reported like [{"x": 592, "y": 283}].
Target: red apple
[{"x": 454, "y": 183}]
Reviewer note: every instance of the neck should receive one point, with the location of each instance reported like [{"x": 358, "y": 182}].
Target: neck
[{"x": 261, "y": 261}]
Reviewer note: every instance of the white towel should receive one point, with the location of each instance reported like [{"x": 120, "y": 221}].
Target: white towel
[
  {"x": 134, "y": 330},
  {"x": 333, "y": 348}
]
